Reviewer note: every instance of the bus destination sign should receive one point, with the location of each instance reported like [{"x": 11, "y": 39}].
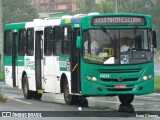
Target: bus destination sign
[{"x": 118, "y": 20}]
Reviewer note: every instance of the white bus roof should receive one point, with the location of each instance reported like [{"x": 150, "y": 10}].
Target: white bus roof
[{"x": 43, "y": 23}]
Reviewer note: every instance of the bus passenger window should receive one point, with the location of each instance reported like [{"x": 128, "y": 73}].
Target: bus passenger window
[
  {"x": 30, "y": 42},
  {"x": 48, "y": 41},
  {"x": 8, "y": 42},
  {"x": 22, "y": 42},
  {"x": 66, "y": 40},
  {"x": 56, "y": 40}
]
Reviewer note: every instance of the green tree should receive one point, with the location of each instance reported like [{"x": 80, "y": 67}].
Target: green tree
[
  {"x": 133, "y": 6},
  {"x": 17, "y": 11},
  {"x": 154, "y": 12},
  {"x": 106, "y": 6},
  {"x": 87, "y": 6}
]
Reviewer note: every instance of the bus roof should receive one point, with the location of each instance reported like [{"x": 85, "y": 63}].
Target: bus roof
[
  {"x": 34, "y": 23},
  {"x": 67, "y": 19},
  {"x": 79, "y": 17}
]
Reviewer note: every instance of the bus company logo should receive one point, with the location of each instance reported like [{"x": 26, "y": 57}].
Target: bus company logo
[
  {"x": 120, "y": 79},
  {"x": 63, "y": 64},
  {"x": 29, "y": 64},
  {"x": 7, "y": 70}
]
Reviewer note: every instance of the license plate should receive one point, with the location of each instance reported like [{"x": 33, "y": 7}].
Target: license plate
[{"x": 123, "y": 86}]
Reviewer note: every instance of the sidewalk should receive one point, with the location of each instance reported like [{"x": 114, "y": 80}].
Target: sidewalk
[
  {"x": 11, "y": 92},
  {"x": 18, "y": 93}
]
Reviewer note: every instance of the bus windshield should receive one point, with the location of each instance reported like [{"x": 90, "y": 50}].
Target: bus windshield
[{"x": 117, "y": 46}]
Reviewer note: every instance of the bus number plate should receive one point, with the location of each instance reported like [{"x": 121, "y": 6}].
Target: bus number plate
[{"x": 123, "y": 86}]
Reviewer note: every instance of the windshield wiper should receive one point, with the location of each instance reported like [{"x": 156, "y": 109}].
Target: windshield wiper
[{"x": 105, "y": 31}]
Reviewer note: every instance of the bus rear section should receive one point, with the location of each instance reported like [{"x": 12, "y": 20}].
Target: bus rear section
[{"x": 12, "y": 58}]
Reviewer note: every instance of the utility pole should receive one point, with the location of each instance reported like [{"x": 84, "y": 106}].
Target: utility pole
[{"x": 1, "y": 30}]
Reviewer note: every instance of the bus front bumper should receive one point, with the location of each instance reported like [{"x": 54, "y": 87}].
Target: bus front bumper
[{"x": 90, "y": 88}]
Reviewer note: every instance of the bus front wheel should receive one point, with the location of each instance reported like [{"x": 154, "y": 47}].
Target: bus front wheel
[
  {"x": 126, "y": 99},
  {"x": 69, "y": 99},
  {"x": 36, "y": 95}
]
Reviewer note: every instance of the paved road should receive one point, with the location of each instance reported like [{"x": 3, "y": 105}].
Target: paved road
[{"x": 97, "y": 107}]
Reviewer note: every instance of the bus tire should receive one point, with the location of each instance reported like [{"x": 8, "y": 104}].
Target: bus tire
[
  {"x": 26, "y": 92},
  {"x": 82, "y": 101},
  {"x": 126, "y": 99},
  {"x": 69, "y": 99},
  {"x": 36, "y": 95}
]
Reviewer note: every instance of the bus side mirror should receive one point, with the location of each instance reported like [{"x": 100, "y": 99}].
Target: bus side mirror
[
  {"x": 78, "y": 42},
  {"x": 154, "y": 40}
]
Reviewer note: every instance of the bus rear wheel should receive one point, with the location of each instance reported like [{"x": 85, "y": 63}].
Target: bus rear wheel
[
  {"x": 126, "y": 99},
  {"x": 69, "y": 99},
  {"x": 26, "y": 92}
]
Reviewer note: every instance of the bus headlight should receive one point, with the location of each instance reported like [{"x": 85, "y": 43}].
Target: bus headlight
[
  {"x": 88, "y": 78},
  {"x": 94, "y": 78},
  {"x": 147, "y": 77},
  {"x": 144, "y": 77}
]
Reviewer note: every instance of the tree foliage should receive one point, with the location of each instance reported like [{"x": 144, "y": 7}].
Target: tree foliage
[
  {"x": 17, "y": 11},
  {"x": 87, "y": 6},
  {"x": 106, "y": 6},
  {"x": 132, "y": 6}
]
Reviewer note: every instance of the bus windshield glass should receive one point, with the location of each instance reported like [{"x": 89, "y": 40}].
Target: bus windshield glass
[{"x": 117, "y": 46}]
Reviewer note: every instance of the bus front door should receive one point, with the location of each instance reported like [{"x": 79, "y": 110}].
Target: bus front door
[
  {"x": 14, "y": 59},
  {"x": 39, "y": 59},
  {"x": 75, "y": 64}
]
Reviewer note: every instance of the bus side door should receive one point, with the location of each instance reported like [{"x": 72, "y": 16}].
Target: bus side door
[
  {"x": 39, "y": 59},
  {"x": 14, "y": 59},
  {"x": 75, "y": 63},
  {"x": 57, "y": 37},
  {"x": 48, "y": 60}
]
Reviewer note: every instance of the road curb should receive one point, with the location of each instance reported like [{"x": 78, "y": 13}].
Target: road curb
[{"x": 156, "y": 94}]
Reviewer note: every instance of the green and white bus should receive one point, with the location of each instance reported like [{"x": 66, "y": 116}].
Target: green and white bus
[{"x": 81, "y": 56}]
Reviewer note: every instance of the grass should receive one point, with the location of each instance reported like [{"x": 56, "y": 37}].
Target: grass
[
  {"x": 2, "y": 98},
  {"x": 1, "y": 77},
  {"x": 157, "y": 83}
]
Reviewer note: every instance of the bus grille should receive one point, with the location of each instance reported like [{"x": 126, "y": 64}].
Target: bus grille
[
  {"x": 136, "y": 70},
  {"x": 116, "y": 80}
]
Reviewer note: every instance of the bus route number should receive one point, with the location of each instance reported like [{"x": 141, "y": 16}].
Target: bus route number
[{"x": 104, "y": 75}]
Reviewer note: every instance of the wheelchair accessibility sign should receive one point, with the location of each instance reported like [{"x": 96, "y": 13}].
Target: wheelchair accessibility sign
[{"x": 124, "y": 59}]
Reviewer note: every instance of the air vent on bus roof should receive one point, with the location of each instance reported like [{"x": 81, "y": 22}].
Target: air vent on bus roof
[
  {"x": 93, "y": 13},
  {"x": 37, "y": 20},
  {"x": 76, "y": 15},
  {"x": 46, "y": 19},
  {"x": 67, "y": 16}
]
